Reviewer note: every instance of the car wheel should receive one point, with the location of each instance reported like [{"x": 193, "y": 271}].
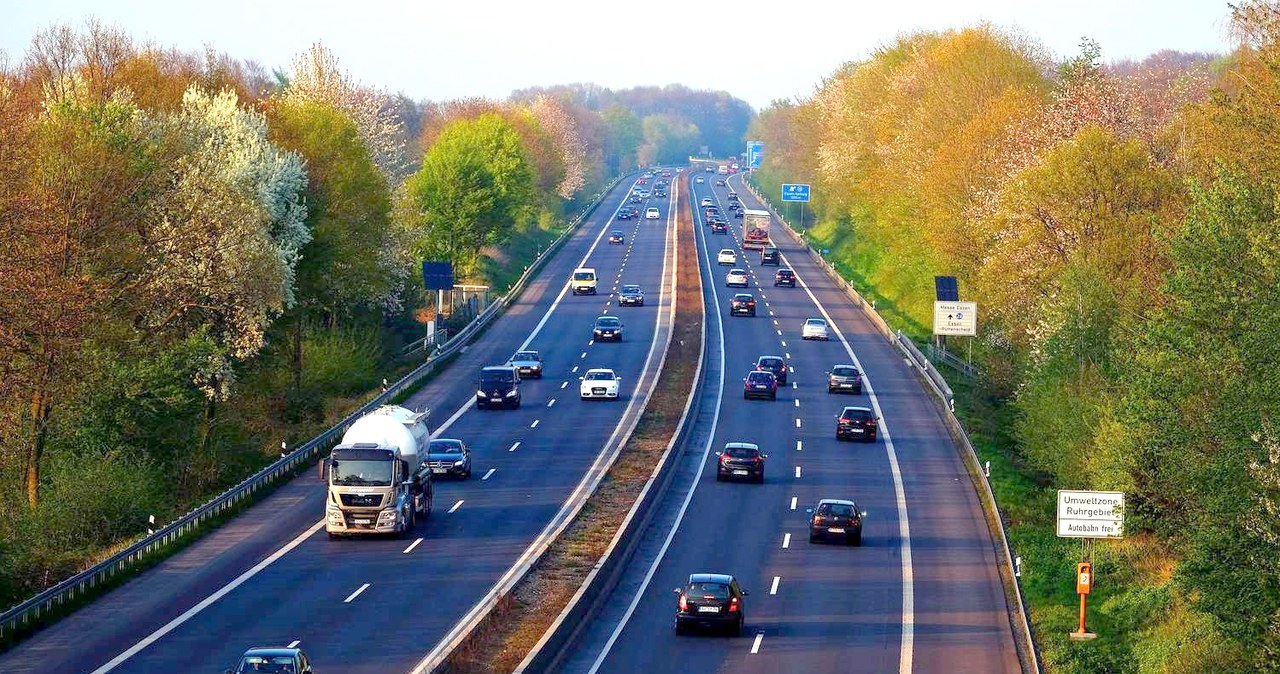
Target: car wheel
[
  {"x": 516, "y": 404},
  {"x": 760, "y": 480},
  {"x": 737, "y": 628},
  {"x": 680, "y": 628},
  {"x": 467, "y": 475},
  {"x": 857, "y": 391},
  {"x": 812, "y": 538},
  {"x": 830, "y": 390},
  {"x": 332, "y": 536},
  {"x": 773, "y": 396},
  {"x": 856, "y": 539},
  {"x": 746, "y": 396},
  {"x": 719, "y": 476}
]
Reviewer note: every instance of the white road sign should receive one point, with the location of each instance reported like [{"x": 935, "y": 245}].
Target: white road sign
[
  {"x": 1090, "y": 514},
  {"x": 955, "y": 318}
]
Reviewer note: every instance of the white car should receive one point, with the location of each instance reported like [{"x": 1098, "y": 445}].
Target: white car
[
  {"x": 726, "y": 256},
  {"x": 736, "y": 277},
  {"x": 706, "y": 201},
  {"x": 699, "y": 180},
  {"x": 599, "y": 383},
  {"x": 652, "y": 214},
  {"x": 815, "y": 328}
]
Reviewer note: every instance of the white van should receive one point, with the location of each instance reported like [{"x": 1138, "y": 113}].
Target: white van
[
  {"x": 584, "y": 281},
  {"x": 652, "y": 214}
]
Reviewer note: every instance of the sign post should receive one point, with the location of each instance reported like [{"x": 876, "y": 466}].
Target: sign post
[
  {"x": 797, "y": 192},
  {"x": 1088, "y": 515}
]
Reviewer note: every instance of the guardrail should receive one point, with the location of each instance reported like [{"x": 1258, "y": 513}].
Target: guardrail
[
  {"x": 30, "y": 612},
  {"x": 1024, "y": 639}
]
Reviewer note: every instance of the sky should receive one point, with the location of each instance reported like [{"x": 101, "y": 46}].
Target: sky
[{"x": 757, "y": 50}]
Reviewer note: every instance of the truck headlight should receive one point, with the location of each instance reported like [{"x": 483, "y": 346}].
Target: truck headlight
[
  {"x": 334, "y": 515},
  {"x": 386, "y": 517},
  {"x": 480, "y": 394}
]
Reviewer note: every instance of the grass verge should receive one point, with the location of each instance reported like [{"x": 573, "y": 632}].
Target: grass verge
[{"x": 519, "y": 620}]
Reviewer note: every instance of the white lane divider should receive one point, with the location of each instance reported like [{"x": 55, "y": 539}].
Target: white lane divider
[
  {"x": 794, "y": 386},
  {"x": 797, "y": 402},
  {"x": 788, "y": 355},
  {"x": 535, "y": 423},
  {"x": 799, "y": 445},
  {"x": 773, "y": 589},
  {"x": 488, "y": 474},
  {"x": 564, "y": 384},
  {"x": 293, "y": 644},
  {"x": 779, "y": 333},
  {"x": 793, "y": 502},
  {"x": 786, "y": 541},
  {"x": 514, "y": 446},
  {"x": 351, "y": 597},
  {"x": 574, "y": 370},
  {"x": 553, "y": 401},
  {"x": 584, "y": 353},
  {"x": 797, "y": 423},
  {"x": 797, "y": 471},
  {"x": 406, "y": 551},
  {"x": 755, "y": 645},
  {"x": 456, "y": 506}
]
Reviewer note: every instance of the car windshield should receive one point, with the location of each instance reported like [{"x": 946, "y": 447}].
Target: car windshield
[
  {"x": 835, "y": 510},
  {"x": 844, "y": 372},
  {"x": 599, "y": 376},
  {"x": 740, "y": 452},
  {"x": 584, "y": 276},
  {"x": 784, "y": 273},
  {"x": 708, "y": 590},
  {"x": 445, "y": 447},
  {"x": 494, "y": 377},
  {"x": 616, "y": 233},
  {"x": 355, "y": 472},
  {"x": 280, "y": 664},
  {"x": 630, "y": 289},
  {"x": 607, "y": 322}
]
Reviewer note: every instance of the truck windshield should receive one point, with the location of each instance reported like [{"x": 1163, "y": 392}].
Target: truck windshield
[{"x": 359, "y": 473}]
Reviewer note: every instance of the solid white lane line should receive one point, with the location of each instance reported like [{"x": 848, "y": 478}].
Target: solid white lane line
[
  {"x": 456, "y": 506},
  {"x": 773, "y": 589},
  {"x": 488, "y": 474},
  {"x": 755, "y": 645},
  {"x": 551, "y": 402},
  {"x": 797, "y": 471},
  {"x": 406, "y": 551},
  {"x": 535, "y": 423},
  {"x": 786, "y": 540},
  {"x": 351, "y": 597},
  {"x": 514, "y": 445},
  {"x": 793, "y": 502}
]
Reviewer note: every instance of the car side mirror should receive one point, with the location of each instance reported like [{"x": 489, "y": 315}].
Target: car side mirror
[
  {"x": 676, "y": 590},
  {"x": 719, "y": 453},
  {"x": 764, "y": 456},
  {"x": 582, "y": 378},
  {"x": 809, "y": 510},
  {"x": 862, "y": 514}
]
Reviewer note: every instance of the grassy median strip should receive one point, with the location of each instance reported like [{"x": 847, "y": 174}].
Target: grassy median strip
[{"x": 519, "y": 620}]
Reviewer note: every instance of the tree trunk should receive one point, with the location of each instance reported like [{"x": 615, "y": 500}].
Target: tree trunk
[
  {"x": 297, "y": 355},
  {"x": 206, "y": 431},
  {"x": 35, "y": 453}
]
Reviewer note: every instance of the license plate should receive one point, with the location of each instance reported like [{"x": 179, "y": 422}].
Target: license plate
[
  {"x": 846, "y": 386},
  {"x": 835, "y": 530},
  {"x": 739, "y": 472},
  {"x": 439, "y": 470},
  {"x": 362, "y": 521},
  {"x": 708, "y": 609},
  {"x": 761, "y": 386},
  {"x": 858, "y": 431}
]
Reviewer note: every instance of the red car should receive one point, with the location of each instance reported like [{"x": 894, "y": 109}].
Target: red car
[
  {"x": 760, "y": 385},
  {"x": 774, "y": 364}
]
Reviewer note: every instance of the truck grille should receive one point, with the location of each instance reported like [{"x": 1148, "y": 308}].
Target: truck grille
[{"x": 361, "y": 500}]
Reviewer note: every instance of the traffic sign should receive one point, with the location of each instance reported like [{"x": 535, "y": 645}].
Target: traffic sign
[
  {"x": 1090, "y": 514},
  {"x": 437, "y": 275},
  {"x": 755, "y": 150},
  {"x": 955, "y": 318},
  {"x": 795, "y": 192}
]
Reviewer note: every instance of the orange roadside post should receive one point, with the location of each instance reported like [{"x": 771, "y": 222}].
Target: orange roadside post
[{"x": 1084, "y": 583}]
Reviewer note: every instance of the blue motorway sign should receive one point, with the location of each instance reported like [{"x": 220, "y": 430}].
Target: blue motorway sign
[
  {"x": 755, "y": 150},
  {"x": 795, "y": 192}
]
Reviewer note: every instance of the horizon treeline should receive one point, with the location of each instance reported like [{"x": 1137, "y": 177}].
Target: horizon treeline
[
  {"x": 1117, "y": 226},
  {"x": 203, "y": 258}
]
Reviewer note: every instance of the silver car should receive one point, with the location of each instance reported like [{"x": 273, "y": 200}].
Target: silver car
[
  {"x": 736, "y": 278},
  {"x": 815, "y": 328},
  {"x": 529, "y": 363}
]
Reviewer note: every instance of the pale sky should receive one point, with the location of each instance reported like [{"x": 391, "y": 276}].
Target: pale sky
[{"x": 758, "y": 50}]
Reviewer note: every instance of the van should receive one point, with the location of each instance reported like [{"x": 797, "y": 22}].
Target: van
[
  {"x": 652, "y": 214},
  {"x": 723, "y": 170},
  {"x": 584, "y": 281},
  {"x": 498, "y": 386}
]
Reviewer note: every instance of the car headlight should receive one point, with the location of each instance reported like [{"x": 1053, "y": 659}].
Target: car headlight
[
  {"x": 511, "y": 394},
  {"x": 387, "y": 516},
  {"x": 480, "y": 394},
  {"x": 459, "y": 462}
]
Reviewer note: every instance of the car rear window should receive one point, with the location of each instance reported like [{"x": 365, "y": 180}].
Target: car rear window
[
  {"x": 858, "y": 415},
  {"x": 708, "y": 590},
  {"x": 845, "y": 372},
  {"x": 835, "y": 510},
  {"x": 599, "y": 376},
  {"x": 740, "y": 452},
  {"x": 759, "y": 377},
  {"x": 770, "y": 362},
  {"x": 497, "y": 376}
]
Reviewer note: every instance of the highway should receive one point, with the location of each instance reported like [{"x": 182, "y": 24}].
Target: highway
[
  {"x": 922, "y": 593},
  {"x": 270, "y": 576}
]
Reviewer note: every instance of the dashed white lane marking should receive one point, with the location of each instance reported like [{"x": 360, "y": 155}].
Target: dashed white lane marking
[
  {"x": 584, "y": 353},
  {"x": 797, "y": 423},
  {"x": 553, "y": 401},
  {"x": 779, "y": 333},
  {"x": 773, "y": 589},
  {"x": 293, "y": 644},
  {"x": 355, "y": 594},
  {"x": 564, "y": 384},
  {"x": 788, "y": 355},
  {"x": 793, "y": 502},
  {"x": 786, "y": 540},
  {"x": 590, "y": 343},
  {"x": 535, "y": 423},
  {"x": 799, "y": 445},
  {"x": 406, "y": 551},
  {"x": 797, "y": 471},
  {"x": 514, "y": 446},
  {"x": 456, "y": 506},
  {"x": 797, "y": 401},
  {"x": 775, "y": 321},
  {"x": 575, "y": 369},
  {"x": 755, "y": 645},
  {"x": 489, "y": 474},
  {"x": 793, "y": 385}
]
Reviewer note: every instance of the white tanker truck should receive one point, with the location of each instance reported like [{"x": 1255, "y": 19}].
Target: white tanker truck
[{"x": 376, "y": 482}]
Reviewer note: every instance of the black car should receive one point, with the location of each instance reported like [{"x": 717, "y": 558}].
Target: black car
[
  {"x": 449, "y": 457},
  {"x": 784, "y": 277},
  {"x": 771, "y": 256},
  {"x": 277, "y": 660},
  {"x": 760, "y": 385},
  {"x": 624, "y": 213},
  {"x": 631, "y": 295},
  {"x": 738, "y": 214},
  {"x": 719, "y": 183},
  {"x": 856, "y": 422},
  {"x": 718, "y": 227},
  {"x": 740, "y": 460},
  {"x": 615, "y": 237},
  {"x": 499, "y": 386},
  {"x": 774, "y": 364},
  {"x": 733, "y": 196},
  {"x": 835, "y": 519},
  {"x": 710, "y": 600},
  {"x": 742, "y": 303},
  {"x": 844, "y": 379},
  {"x": 635, "y": 199},
  {"x": 608, "y": 328}
]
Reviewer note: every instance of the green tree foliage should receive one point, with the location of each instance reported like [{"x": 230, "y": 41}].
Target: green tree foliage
[{"x": 474, "y": 185}]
